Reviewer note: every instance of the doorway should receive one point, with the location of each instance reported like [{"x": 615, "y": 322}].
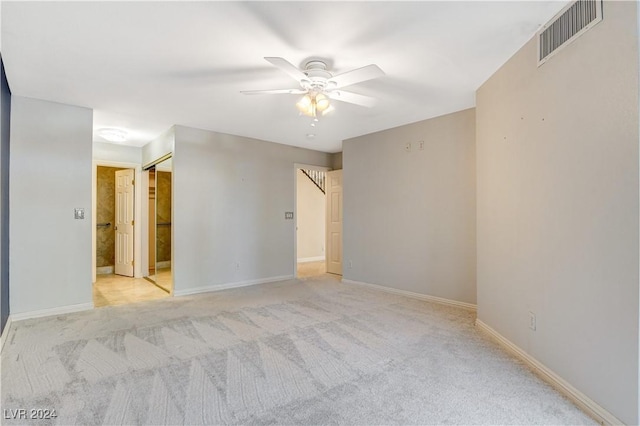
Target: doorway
[
  {"x": 116, "y": 238},
  {"x": 160, "y": 228},
  {"x": 105, "y": 219},
  {"x": 310, "y": 221}
]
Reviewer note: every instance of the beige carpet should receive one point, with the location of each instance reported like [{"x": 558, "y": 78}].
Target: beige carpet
[{"x": 295, "y": 352}]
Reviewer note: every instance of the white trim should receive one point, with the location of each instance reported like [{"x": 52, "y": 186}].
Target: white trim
[
  {"x": 52, "y": 311},
  {"x": 311, "y": 259},
  {"x": 590, "y": 407},
  {"x": 163, "y": 264},
  {"x": 104, "y": 270},
  {"x": 5, "y": 332},
  {"x": 435, "y": 299},
  {"x": 226, "y": 286}
]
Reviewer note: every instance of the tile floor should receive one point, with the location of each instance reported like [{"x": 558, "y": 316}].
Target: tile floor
[
  {"x": 164, "y": 279},
  {"x": 112, "y": 290}
]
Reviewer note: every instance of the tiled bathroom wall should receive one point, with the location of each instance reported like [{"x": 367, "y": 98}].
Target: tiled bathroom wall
[{"x": 105, "y": 214}]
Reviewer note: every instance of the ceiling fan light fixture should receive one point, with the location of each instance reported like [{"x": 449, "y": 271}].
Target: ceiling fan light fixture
[
  {"x": 322, "y": 102},
  {"x": 312, "y": 103},
  {"x": 304, "y": 104}
]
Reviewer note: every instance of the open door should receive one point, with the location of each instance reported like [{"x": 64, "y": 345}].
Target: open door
[
  {"x": 334, "y": 222},
  {"x": 124, "y": 222}
]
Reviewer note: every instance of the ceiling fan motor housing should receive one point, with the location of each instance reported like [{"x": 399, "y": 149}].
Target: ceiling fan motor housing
[{"x": 318, "y": 77}]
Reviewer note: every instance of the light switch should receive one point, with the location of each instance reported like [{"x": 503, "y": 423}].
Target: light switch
[
  {"x": 288, "y": 215},
  {"x": 78, "y": 213}
]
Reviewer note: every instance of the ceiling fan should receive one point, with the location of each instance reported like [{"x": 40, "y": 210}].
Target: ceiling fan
[{"x": 318, "y": 85}]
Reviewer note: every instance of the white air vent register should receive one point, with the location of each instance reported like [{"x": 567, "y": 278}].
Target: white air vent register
[{"x": 570, "y": 23}]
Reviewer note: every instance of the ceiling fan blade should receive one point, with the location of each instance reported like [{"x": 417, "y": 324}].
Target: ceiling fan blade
[
  {"x": 287, "y": 67},
  {"x": 357, "y": 76},
  {"x": 275, "y": 92},
  {"x": 352, "y": 98}
]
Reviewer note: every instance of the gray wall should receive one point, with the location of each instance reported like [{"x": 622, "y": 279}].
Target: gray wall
[
  {"x": 557, "y": 160},
  {"x": 5, "y": 121},
  {"x": 336, "y": 161},
  {"x": 230, "y": 194},
  {"x": 159, "y": 147},
  {"x": 109, "y": 152},
  {"x": 409, "y": 217},
  {"x": 50, "y": 175}
]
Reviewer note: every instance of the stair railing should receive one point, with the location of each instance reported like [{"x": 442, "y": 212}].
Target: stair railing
[{"x": 317, "y": 177}]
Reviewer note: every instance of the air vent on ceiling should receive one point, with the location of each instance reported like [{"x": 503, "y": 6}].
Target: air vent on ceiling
[{"x": 570, "y": 23}]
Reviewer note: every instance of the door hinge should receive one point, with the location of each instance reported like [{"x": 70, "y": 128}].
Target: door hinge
[
  {"x": 132, "y": 222},
  {"x": 133, "y": 182},
  {"x": 132, "y": 263}
]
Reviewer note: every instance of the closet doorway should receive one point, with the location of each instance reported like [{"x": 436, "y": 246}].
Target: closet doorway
[{"x": 159, "y": 224}]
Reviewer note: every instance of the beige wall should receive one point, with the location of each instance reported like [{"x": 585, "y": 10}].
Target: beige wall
[
  {"x": 409, "y": 217},
  {"x": 311, "y": 222},
  {"x": 557, "y": 159}
]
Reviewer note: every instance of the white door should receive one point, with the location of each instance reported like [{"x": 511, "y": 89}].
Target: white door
[
  {"x": 124, "y": 222},
  {"x": 334, "y": 222}
]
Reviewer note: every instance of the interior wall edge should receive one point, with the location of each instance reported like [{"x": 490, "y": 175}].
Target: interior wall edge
[
  {"x": 5, "y": 130},
  {"x": 231, "y": 285},
  {"x": 5, "y": 332},
  {"x": 588, "y": 405},
  {"x": 51, "y": 312},
  {"x": 413, "y": 295}
]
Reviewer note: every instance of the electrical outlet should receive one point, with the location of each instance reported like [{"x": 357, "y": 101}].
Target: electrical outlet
[
  {"x": 350, "y": 264},
  {"x": 237, "y": 265},
  {"x": 407, "y": 147},
  {"x": 421, "y": 145},
  {"x": 532, "y": 321}
]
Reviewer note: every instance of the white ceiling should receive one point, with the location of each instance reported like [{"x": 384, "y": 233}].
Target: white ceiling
[{"x": 145, "y": 66}]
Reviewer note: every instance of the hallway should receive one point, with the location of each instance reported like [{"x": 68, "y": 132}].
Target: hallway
[{"x": 110, "y": 290}]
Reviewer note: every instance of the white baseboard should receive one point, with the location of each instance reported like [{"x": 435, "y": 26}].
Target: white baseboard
[
  {"x": 588, "y": 405},
  {"x": 311, "y": 259},
  {"x": 5, "y": 333},
  {"x": 435, "y": 299},
  {"x": 227, "y": 286},
  {"x": 52, "y": 311},
  {"x": 104, "y": 270}
]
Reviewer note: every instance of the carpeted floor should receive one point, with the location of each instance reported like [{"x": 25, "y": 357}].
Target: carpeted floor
[{"x": 296, "y": 352}]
